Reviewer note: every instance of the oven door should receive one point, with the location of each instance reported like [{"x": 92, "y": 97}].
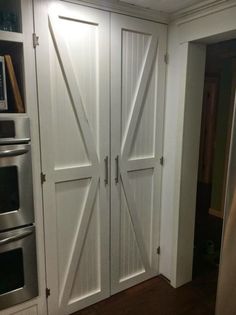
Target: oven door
[
  {"x": 18, "y": 267},
  {"x": 16, "y": 192}
]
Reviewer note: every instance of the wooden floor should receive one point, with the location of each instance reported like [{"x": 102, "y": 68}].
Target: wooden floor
[{"x": 157, "y": 297}]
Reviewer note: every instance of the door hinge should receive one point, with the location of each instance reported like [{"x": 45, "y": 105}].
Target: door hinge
[
  {"x": 162, "y": 160},
  {"x": 35, "y": 40},
  {"x": 43, "y": 178},
  {"x": 158, "y": 250},
  {"x": 48, "y": 292},
  {"x": 166, "y": 58}
]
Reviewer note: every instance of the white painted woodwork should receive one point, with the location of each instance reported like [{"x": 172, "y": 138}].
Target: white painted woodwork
[
  {"x": 11, "y": 36},
  {"x": 29, "y": 311},
  {"x": 216, "y": 23},
  {"x": 193, "y": 95},
  {"x": 73, "y": 152},
  {"x": 169, "y": 6},
  {"x": 37, "y": 305},
  {"x": 76, "y": 132},
  {"x": 137, "y": 102},
  {"x": 116, "y": 6}
]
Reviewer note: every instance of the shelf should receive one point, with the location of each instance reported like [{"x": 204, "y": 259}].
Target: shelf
[{"x": 11, "y": 37}]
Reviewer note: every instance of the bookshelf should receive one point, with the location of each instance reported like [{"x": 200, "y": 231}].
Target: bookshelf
[{"x": 12, "y": 51}]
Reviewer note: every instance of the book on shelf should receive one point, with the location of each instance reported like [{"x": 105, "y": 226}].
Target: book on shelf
[
  {"x": 3, "y": 89},
  {"x": 19, "y": 106}
]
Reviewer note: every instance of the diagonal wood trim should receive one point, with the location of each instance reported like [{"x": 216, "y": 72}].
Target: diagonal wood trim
[
  {"x": 78, "y": 244},
  {"x": 75, "y": 173},
  {"x": 72, "y": 85},
  {"x": 139, "y": 164},
  {"x": 135, "y": 221},
  {"x": 140, "y": 95}
]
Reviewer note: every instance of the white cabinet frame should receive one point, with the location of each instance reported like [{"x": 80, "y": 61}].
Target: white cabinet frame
[{"x": 187, "y": 38}]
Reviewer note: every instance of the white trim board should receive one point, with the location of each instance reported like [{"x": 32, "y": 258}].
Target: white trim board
[
  {"x": 217, "y": 26},
  {"x": 125, "y": 9},
  {"x": 200, "y": 9},
  {"x": 182, "y": 16}
]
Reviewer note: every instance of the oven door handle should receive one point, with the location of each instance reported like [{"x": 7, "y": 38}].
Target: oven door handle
[
  {"x": 14, "y": 152},
  {"x": 15, "y": 237}
]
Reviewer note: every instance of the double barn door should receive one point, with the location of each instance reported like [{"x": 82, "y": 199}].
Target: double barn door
[{"x": 101, "y": 87}]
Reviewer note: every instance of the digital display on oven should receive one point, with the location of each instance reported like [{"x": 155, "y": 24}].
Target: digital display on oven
[{"x": 7, "y": 129}]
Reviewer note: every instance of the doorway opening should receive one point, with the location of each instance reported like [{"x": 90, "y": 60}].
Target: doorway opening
[{"x": 216, "y": 125}]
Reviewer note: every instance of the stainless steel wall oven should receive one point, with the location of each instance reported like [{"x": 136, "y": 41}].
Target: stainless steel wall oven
[
  {"x": 18, "y": 271},
  {"x": 18, "y": 266}
]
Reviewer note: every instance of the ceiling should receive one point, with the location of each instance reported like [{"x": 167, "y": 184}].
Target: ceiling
[{"x": 168, "y": 6}]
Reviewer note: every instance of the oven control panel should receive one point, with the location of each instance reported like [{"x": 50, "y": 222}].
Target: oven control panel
[{"x": 14, "y": 129}]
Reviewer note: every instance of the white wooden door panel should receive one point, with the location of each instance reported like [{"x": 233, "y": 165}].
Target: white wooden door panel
[
  {"x": 93, "y": 250},
  {"x": 137, "y": 101},
  {"x": 75, "y": 192}
]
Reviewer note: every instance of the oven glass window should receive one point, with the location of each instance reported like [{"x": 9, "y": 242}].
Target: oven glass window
[
  {"x": 9, "y": 189},
  {"x": 11, "y": 270}
]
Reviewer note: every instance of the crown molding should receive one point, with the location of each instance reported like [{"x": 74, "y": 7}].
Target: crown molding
[
  {"x": 126, "y": 9},
  {"x": 200, "y": 10},
  {"x": 186, "y": 15}
]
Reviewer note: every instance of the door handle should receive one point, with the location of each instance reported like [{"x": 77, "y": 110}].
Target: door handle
[
  {"x": 117, "y": 169},
  {"x": 15, "y": 237},
  {"x": 14, "y": 152},
  {"x": 106, "y": 170}
]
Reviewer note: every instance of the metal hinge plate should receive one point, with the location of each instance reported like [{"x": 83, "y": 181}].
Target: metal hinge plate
[
  {"x": 166, "y": 58},
  {"x": 43, "y": 178},
  {"x": 158, "y": 250},
  {"x": 35, "y": 40},
  {"x": 162, "y": 160},
  {"x": 48, "y": 292}
]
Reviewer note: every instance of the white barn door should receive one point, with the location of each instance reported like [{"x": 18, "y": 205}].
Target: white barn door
[
  {"x": 75, "y": 150},
  {"x": 138, "y": 48}
]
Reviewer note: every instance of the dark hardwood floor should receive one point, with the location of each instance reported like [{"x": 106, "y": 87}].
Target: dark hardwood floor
[{"x": 157, "y": 297}]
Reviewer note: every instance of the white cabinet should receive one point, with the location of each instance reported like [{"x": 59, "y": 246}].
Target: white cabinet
[
  {"x": 101, "y": 94},
  {"x": 137, "y": 103},
  {"x": 76, "y": 117}
]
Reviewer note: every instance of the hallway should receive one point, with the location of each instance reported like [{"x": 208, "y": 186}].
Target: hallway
[{"x": 157, "y": 297}]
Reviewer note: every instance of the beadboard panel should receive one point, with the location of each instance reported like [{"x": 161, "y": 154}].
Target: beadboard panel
[
  {"x": 87, "y": 277},
  {"x": 142, "y": 185},
  {"x": 137, "y": 102},
  {"x": 134, "y": 53},
  {"x": 70, "y": 199},
  {"x": 130, "y": 258}
]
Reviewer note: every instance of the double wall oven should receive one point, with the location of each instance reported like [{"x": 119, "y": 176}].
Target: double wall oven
[{"x": 18, "y": 265}]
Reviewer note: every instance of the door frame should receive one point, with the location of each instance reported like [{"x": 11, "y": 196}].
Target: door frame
[{"x": 188, "y": 38}]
